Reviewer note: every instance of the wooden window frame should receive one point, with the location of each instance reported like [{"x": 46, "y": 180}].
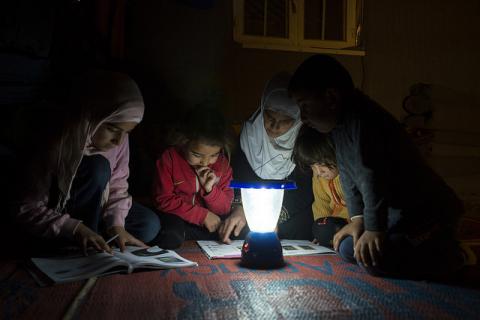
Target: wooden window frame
[{"x": 295, "y": 40}]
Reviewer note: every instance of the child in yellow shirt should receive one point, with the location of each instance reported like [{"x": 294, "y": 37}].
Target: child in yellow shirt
[{"x": 315, "y": 150}]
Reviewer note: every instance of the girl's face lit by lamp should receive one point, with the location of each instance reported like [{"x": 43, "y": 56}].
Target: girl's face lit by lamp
[{"x": 262, "y": 202}]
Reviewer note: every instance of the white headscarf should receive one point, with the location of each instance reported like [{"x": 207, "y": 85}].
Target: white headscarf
[{"x": 271, "y": 158}]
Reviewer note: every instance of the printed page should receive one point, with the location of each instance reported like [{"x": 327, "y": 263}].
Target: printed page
[
  {"x": 218, "y": 250},
  {"x": 79, "y": 267},
  {"x": 303, "y": 248},
  {"x": 153, "y": 257}
]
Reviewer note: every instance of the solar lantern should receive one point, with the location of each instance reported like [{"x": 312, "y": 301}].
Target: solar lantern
[{"x": 262, "y": 203}]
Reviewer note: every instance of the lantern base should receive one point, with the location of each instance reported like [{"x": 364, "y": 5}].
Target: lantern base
[{"x": 262, "y": 250}]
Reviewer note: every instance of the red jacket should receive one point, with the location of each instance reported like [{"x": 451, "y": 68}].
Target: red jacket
[{"x": 176, "y": 192}]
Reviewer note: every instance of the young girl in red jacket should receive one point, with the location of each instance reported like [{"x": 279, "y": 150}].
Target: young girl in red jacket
[{"x": 191, "y": 188}]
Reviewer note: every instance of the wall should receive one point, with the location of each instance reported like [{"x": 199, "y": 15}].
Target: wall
[
  {"x": 422, "y": 41},
  {"x": 190, "y": 52},
  {"x": 176, "y": 52},
  {"x": 432, "y": 42},
  {"x": 184, "y": 55}
]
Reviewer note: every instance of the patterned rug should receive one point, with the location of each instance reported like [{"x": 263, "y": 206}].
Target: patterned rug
[{"x": 308, "y": 287}]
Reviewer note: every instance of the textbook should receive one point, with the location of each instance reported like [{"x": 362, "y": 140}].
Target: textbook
[
  {"x": 80, "y": 267},
  {"x": 219, "y": 250}
]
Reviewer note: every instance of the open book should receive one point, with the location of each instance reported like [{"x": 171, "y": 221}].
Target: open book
[
  {"x": 79, "y": 267},
  {"x": 218, "y": 250}
]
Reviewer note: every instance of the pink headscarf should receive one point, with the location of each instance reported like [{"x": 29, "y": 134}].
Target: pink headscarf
[
  {"x": 126, "y": 113},
  {"x": 97, "y": 98}
]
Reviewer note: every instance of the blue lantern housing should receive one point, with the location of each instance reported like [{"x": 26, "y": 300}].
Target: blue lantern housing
[{"x": 262, "y": 203}]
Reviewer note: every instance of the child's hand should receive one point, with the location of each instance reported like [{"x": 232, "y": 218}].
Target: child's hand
[
  {"x": 124, "y": 238},
  {"x": 212, "y": 222},
  {"x": 86, "y": 236},
  {"x": 234, "y": 223},
  {"x": 207, "y": 178},
  {"x": 354, "y": 229},
  {"x": 369, "y": 248}
]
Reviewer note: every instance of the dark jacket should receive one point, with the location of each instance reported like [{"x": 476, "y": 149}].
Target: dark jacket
[{"x": 383, "y": 173}]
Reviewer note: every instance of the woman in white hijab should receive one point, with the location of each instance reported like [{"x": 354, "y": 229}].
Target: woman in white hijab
[
  {"x": 266, "y": 144},
  {"x": 76, "y": 186}
]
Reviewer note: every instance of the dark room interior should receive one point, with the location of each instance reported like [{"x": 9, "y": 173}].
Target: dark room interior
[{"x": 418, "y": 59}]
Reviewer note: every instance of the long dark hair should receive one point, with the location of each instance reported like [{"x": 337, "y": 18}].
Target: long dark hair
[{"x": 313, "y": 147}]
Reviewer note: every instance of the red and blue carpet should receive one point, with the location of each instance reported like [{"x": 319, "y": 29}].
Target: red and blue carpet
[{"x": 308, "y": 287}]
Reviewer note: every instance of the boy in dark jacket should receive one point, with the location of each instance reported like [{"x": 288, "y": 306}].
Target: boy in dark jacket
[{"x": 403, "y": 214}]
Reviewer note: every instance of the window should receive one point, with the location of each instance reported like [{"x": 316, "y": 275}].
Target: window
[{"x": 330, "y": 26}]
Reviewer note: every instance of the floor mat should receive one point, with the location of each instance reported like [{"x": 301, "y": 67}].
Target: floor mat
[{"x": 308, "y": 287}]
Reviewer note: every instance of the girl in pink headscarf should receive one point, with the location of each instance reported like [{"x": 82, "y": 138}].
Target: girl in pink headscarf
[{"x": 76, "y": 187}]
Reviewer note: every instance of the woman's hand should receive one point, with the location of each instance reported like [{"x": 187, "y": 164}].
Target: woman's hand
[
  {"x": 212, "y": 222},
  {"x": 207, "y": 178},
  {"x": 86, "y": 237},
  {"x": 354, "y": 229},
  {"x": 234, "y": 223},
  {"x": 369, "y": 247},
  {"x": 124, "y": 238}
]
